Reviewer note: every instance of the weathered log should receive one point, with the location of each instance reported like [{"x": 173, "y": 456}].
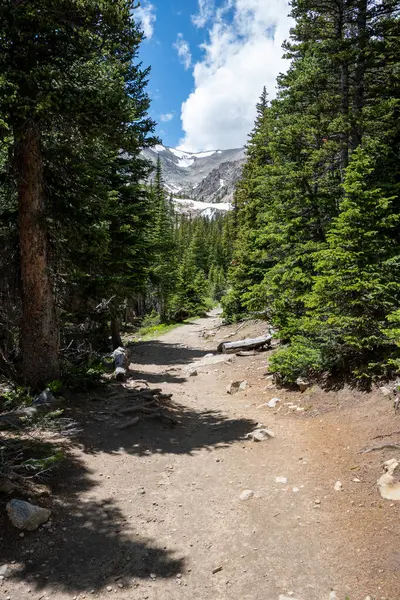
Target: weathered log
[
  {"x": 121, "y": 362},
  {"x": 247, "y": 344}
]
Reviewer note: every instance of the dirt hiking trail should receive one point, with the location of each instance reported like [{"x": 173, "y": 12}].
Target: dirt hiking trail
[{"x": 157, "y": 512}]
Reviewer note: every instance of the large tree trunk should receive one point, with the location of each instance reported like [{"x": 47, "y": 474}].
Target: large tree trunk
[
  {"x": 116, "y": 333},
  {"x": 344, "y": 89},
  {"x": 359, "y": 74},
  {"x": 38, "y": 335}
]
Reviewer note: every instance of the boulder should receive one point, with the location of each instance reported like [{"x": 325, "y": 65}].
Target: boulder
[
  {"x": 385, "y": 391},
  {"x": 236, "y": 386},
  {"x": 24, "y": 515},
  {"x": 303, "y": 384},
  {"x": 388, "y": 484}
]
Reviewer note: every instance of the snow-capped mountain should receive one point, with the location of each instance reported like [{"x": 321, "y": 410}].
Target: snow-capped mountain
[{"x": 203, "y": 176}]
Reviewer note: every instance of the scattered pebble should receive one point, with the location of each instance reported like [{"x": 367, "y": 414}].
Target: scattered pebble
[
  {"x": 273, "y": 402},
  {"x": 338, "y": 486},
  {"x": 281, "y": 480},
  {"x": 246, "y": 495}
]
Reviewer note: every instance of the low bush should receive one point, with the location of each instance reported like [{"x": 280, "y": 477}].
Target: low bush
[{"x": 300, "y": 359}]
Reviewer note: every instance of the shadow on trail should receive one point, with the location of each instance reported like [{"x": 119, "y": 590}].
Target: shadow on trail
[
  {"x": 156, "y": 352},
  {"x": 91, "y": 546},
  {"x": 195, "y": 430}
]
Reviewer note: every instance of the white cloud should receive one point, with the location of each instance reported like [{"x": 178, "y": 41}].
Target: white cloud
[
  {"x": 145, "y": 14},
  {"x": 167, "y": 117},
  {"x": 241, "y": 55},
  {"x": 206, "y": 10},
  {"x": 183, "y": 49}
]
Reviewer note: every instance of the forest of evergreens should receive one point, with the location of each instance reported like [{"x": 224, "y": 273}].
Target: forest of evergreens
[
  {"x": 86, "y": 240},
  {"x": 318, "y": 207}
]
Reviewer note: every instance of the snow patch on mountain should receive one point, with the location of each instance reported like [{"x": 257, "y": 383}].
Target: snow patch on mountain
[
  {"x": 190, "y": 207},
  {"x": 185, "y": 162}
]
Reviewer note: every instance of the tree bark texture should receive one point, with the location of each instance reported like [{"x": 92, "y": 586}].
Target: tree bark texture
[
  {"x": 39, "y": 335},
  {"x": 116, "y": 333}
]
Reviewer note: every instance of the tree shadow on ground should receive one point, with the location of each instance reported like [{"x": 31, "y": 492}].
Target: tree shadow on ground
[
  {"x": 93, "y": 544},
  {"x": 160, "y": 353},
  {"x": 193, "y": 431},
  {"x": 90, "y": 545}
]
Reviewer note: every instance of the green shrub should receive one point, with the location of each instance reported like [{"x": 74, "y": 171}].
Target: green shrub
[
  {"x": 84, "y": 376},
  {"x": 301, "y": 359},
  {"x": 14, "y": 398},
  {"x": 151, "y": 320}
]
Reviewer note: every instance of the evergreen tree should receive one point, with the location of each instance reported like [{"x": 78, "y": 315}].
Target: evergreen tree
[
  {"x": 321, "y": 171},
  {"x": 68, "y": 76},
  {"x": 164, "y": 269}
]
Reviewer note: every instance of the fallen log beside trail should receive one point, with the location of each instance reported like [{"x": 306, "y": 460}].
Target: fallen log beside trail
[{"x": 247, "y": 344}]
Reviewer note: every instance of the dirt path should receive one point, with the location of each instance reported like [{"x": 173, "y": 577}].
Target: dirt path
[{"x": 154, "y": 513}]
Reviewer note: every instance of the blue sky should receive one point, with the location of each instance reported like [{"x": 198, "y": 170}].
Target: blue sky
[{"x": 210, "y": 60}]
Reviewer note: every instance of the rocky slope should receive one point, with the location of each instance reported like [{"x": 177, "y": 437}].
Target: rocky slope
[{"x": 204, "y": 176}]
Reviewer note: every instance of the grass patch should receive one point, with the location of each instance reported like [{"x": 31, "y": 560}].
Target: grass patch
[{"x": 152, "y": 331}]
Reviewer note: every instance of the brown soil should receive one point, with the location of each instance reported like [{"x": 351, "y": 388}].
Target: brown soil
[{"x": 153, "y": 512}]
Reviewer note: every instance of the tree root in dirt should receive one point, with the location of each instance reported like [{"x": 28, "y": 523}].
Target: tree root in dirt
[
  {"x": 383, "y": 435},
  {"x": 153, "y": 405},
  {"x": 381, "y": 447}
]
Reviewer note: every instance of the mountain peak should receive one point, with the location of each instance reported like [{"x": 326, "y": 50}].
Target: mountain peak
[{"x": 209, "y": 176}]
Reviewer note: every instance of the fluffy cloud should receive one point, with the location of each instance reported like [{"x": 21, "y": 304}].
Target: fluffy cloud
[
  {"x": 241, "y": 55},
  {"x": 145, "y": 13},
  {"x": 206, "y": 10},
  {"x": 166, "y": 117},
  {"x": 183, "y": 49}
]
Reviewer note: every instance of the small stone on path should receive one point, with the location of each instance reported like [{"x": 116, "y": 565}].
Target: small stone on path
[
  {"x": 246, "y": 495},
  {"x": 273, "y": 402},
  {"x": 3, "y": 570},
  {"x": 281, "y": 480},
  {"x": 259, "y": 435},
  {"x": 338, "y": 486}
]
